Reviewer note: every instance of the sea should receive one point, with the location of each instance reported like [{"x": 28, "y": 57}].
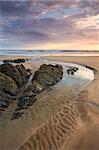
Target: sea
[{"x": 37, "y": 53}]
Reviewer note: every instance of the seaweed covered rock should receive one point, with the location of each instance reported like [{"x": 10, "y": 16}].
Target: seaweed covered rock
[
  {"x": 46, "y": 76},
  {"x": 12, "y": 71}
]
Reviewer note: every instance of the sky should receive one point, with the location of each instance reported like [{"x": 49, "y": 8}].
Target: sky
[{"x": 49, "y": 24}]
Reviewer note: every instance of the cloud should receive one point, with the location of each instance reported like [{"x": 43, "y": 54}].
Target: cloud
[
  {"x": 91, "y": 22},
  {"x": 38, "y": 21}
]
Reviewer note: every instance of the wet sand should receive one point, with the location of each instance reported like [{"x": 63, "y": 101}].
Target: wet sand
[
  {"x": 93, "y": 88},
  {"x": 14, "y": 133},
  {"x": 87, "y": 137},
  {"x": 84, "y": 60}
]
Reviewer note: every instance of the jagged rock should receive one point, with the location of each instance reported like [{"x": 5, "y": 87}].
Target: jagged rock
[
  {"x": 46, "y": 76},
  {"x": 7, "y": 85},
  {"x": 24, "y": 73},
  {"x": 12, "y": 71}
]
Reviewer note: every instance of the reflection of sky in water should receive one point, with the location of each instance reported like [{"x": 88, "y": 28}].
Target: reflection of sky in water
[{"x": 82, "y": 77}]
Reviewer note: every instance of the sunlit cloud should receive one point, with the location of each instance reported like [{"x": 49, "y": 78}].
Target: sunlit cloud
[{"x": 91, "y": 22}]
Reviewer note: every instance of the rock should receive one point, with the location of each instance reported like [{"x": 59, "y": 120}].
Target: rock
[
  {"x": 28, "y": 70},
  {"x": 8, "y": 88},
  {"x": 25, "y": 101},
  {"x": 72, "y": 70},
  {"x": 12, "y": 78},
  {"x": 12, "y": 71},
  {"x": 4, "y": 104},
  {"x": 16, "y": 115},
  {"x": 14, "y": 61},
  {"x": 31, "y": 101},
  {"x": 68, "y": 71},
  {"x": 24, "y": 74},
  {"x": 37, "y": 87},
  {"x": 46, "y": 76},
  {"x": 7, "y": 85}
]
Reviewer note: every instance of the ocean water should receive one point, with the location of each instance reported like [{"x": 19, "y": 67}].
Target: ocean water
[{"x": 37, "y": 53}]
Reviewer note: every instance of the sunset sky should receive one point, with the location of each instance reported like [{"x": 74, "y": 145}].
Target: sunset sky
[{"x": 49, "y": 24}]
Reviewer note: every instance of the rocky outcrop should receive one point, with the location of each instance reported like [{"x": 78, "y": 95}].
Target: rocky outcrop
[
  {"x": 7, "y": 84},
  {"x": 12, "y": 78},
  {"x": 18, "y": 73},
  {"x": 8, "y": 88},
  {"x": 12, "y": 71},
  {"x": 24, "y": 73},
  {"x": 15, "y": 61},
  {"x": 46, "y": 76}
]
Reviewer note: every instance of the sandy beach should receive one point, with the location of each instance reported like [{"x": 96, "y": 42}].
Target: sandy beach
[{"x": 13, "y": 134}]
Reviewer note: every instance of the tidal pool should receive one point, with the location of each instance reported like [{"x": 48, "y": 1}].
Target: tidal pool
[{"x": 81, "y": 78}]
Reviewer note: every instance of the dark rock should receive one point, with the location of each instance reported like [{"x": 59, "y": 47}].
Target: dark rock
[
  {"x": 15, "y": 61},
  {"x": 6, "y": 61},
  {"x": 25, "y": 101},
  {"x": 19, "y": 60},
  {"x": 72, "y": 72},
  {"x": 7, "y": 85},
  {"x": 22, "y": 103},
  {"x": 68, "y": 71},
  {"x": 16, "y": 115},
  {"x": 12, "y": 71},
  {"x": 28, "y": 70},
  {"x": 24, "y": 74},
  {"x": 46, "y": 76},
  {"x": 31, "y": 101},
  {"x": 4, "y": 104},
  {"x": 74, "y": 69}
]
